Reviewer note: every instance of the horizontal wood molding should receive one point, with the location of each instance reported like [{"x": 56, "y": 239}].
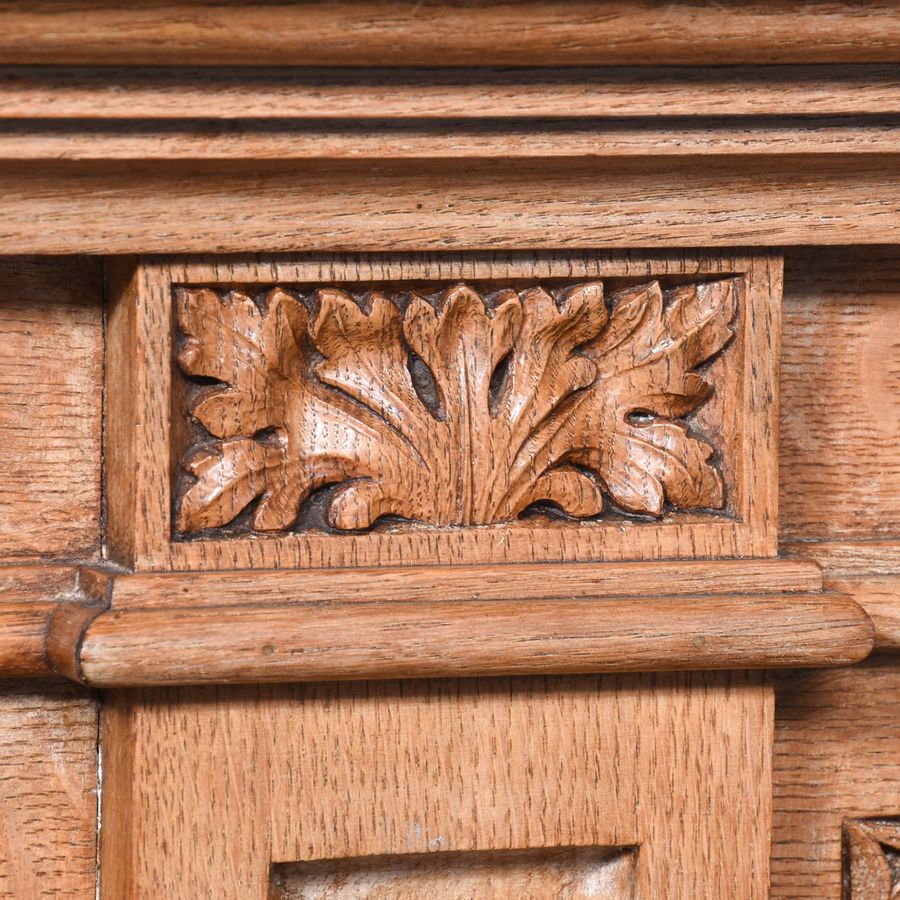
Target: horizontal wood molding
[
  {"x": 164, "y": 590},
  {"x": 275, "y": 94},
  {"x": 419, "y": 638},
  {"x": 443, "y": 139},
  {"x": 47, "y": 611},
  {"x": 354, "y": 33},
  {"x": 357, "y": 205}
]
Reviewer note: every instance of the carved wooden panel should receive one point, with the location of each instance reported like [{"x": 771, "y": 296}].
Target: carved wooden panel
[
  {"x": 567, "y": 873},
  {"x": 380, "y": 410},
  {"x": 458, "y": 409},
  {"x": 871, "y": 859}
]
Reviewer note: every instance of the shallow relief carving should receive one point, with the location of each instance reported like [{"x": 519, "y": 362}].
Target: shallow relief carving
[{"x": 451, "y": 407}]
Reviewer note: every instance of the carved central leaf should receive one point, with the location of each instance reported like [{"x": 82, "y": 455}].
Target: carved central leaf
[{"x": 460, "y": 410}]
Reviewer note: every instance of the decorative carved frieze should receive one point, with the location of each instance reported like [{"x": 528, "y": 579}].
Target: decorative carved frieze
[
  {"x": 460, "y": 407},
  {"x": 388, "y": 410}
]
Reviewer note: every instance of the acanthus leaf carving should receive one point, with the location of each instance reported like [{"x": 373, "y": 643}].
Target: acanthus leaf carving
[{"x": 461, "y": 409}]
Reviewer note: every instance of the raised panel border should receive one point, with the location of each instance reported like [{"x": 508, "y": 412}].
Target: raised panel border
[{"x": 139, "y": 446}]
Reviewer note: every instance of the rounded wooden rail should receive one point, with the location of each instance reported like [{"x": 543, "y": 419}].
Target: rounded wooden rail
[{"x": 403, "y": 639}]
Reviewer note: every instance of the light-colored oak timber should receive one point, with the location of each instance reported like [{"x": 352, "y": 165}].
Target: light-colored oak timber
[
  {"x": 880, "y": 598},
  {"x": 742, "y": 412},
  {"x": 441, "y": 140},
  {"x": 504, "y": 582},
  {"x": 354, "y": 205},
  {"x": 840, "y": 394},
  {"x": 48, "y": 791},
  {"x": 384, "y": 33},
  {"x": 232, "y": 780},
  {"x": 50, "y": 407},
  {"x": 273, "y": 94},
  {"x": 407, "y": 639},
  {"x": 29, "y": 595},
  {"x": 848, "y": 558},
  {"x": 836, "y": 739}
]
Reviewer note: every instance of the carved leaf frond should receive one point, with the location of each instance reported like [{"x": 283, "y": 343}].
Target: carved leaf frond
[
  {"x": 646, "y": 356},
  {"x": 264, "y": 359},
  {"x": 228, "y": 339},
  {"x": 646, "y": 360},
  {"x": 462, "y": 342},
  {"x": 364, "y": 354},
  {"x": 227, "y": 481}
]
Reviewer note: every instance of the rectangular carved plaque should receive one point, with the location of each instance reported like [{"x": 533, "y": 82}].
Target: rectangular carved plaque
[{"x": 388, "y": 410}]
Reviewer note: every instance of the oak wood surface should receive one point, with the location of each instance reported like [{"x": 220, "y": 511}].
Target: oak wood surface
[
  {"x": 359, "y": 640},
  {"x": 29, "y": 595},
  {"x": 444, "y": 139},
  {"x": 133, "y": 207},
  {"x": 849, "y": 558},
  {"x": 384, "y": 33},
  {"x": 48, "y": 791},
  {"x": 840, "y": 395},
  {"x": 231, "y": 780},
  {"x": 364, "y": 95},
  {"x": 836, "y": 757},
  {"x": 50, "y": 407},
  {"x": 880, "y": 598},
  {"x": 496, "y": 582}
]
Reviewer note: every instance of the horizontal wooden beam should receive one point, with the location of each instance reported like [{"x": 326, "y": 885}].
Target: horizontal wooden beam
[
  {"x": 311, "y": 642},
  {"x": 277, "y": 94},
  {"x": 25, "y": 140},
  {"x": 381, "y": 32},
  {"x": 173, "y": 590},
  {"x": 108, "y": 207}
]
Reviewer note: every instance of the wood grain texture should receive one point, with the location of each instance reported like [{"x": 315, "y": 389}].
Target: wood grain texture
[
  {"x": 836, "y": 758},
  {"x": 29, "y": 595},
  {"x": 231, "y": 780},
  {"x": 356, "y": 205},
  {"x": 144, "y": 409},
  {"x": 444, "y": 139},
  {"x": 177, "y": 93},
  {"x": 496, "y": 582},
  {"x": 517, "y": 397},
  {"x": 440, "y": 638},
  {"x": 570, "y": 873},
  {"x": 48, "y": 791},
  {"x": 840, "y": 395},
  {"x": 848, "y": 558},
  {"x": 50, "y": 407},
  {"x": 880, "y": 598},
  {"x": 472, "y": 33}
]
